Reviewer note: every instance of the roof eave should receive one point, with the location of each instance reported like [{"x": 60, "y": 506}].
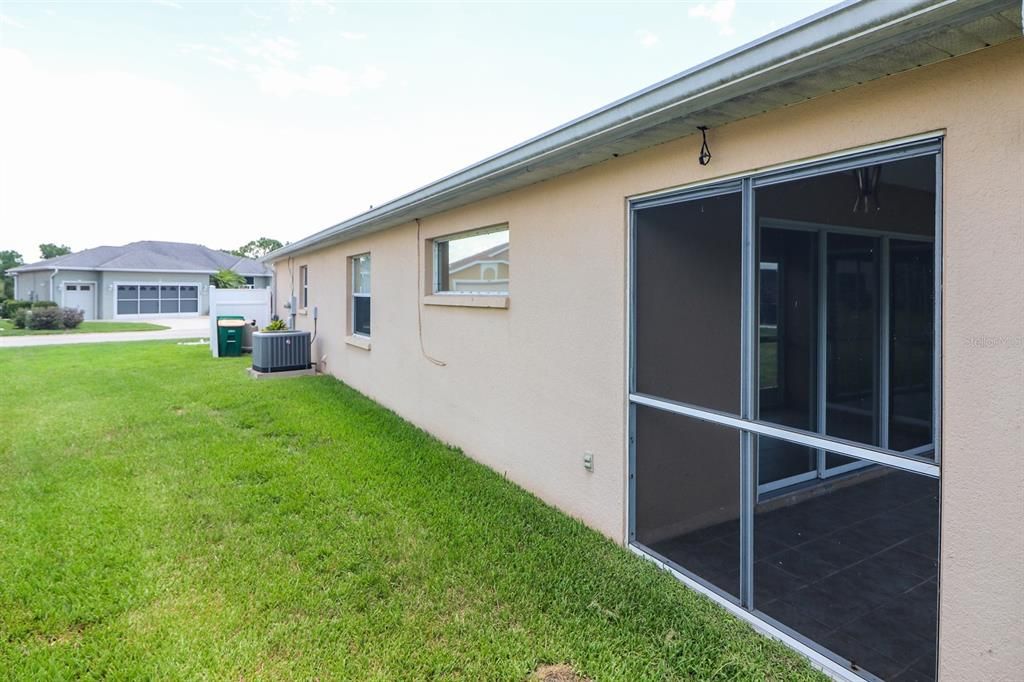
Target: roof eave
[{"x": 836, "y": 36}]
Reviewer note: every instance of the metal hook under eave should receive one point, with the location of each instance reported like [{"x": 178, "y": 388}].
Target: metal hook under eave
[{"x": 705, "y": 151}]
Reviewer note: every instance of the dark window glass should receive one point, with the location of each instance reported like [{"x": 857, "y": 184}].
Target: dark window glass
[
  {"x": 787, "y": 327},
  {"x": 361, "y": 315},
  {"x": 852, "y": 565},
  {"x": 149, "y": 307},
  {"x": 168, "y": 292},
  {"x": 911, "y": 354},
  {"x": 853, "y": 221},
  {"x": 150, "y": 292},
  {"x": 169, "y": 306},
  {"x": 189, "y": 292},
  {"x": 688, "y": 494},
  {"x": 851, "y": 408},
  {"x": 127, "y": 307},
  {"x": 687, "y": 294},
  {"x": 189, "y": 305},
  {"x": 127, "y": 293}
]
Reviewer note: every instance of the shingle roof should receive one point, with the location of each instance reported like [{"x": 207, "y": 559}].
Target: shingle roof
[{"x": 151, "y": 255}]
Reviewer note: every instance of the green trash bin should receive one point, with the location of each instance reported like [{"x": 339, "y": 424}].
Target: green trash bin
[{"x": 229, "y": 335}]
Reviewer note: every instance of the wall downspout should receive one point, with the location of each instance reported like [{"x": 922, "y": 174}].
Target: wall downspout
[{"x": 52, "y": 292}]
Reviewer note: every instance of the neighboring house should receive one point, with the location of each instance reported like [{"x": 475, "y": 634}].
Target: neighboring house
[
  {"x": 485, "y": 271},
  {"x": 755, "y": 372},
  {"x": 141, "y": 279}
]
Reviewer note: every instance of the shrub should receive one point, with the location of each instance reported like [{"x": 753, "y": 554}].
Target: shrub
[
  {"x": 21, "y": 316},
  {"x": 11, "y": 307},
  {"x": 43, "y": 304},
  {"x": 71, "y": 317},
  {"x": 46, "y": 318}
]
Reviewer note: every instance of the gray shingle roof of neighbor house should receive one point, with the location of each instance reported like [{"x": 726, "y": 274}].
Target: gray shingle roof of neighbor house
[
  {"x": 844, "y": 45},
  {"x": 151, "y": 256}
]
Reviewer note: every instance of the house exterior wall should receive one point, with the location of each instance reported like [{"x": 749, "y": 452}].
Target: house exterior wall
[
  {"x": 34, "y": 285},
  {"x": 529, "y": 389},
  {"x": 38, "y": 282}
]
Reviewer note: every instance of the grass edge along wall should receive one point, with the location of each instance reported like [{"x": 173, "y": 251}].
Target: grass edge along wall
[{"x": 529, "y": 389}]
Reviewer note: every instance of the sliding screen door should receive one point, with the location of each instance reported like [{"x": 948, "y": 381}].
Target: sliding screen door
[{"x": 783, "y": 404}]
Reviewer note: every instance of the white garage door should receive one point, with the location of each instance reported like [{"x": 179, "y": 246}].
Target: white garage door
[
  {"x": 83, "y": 297},
  {"x": 146, "y": 300}
]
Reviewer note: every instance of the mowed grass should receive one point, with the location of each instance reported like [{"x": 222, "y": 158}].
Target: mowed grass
[
  {"x": 162, "y": 516},
  {"x": 7, "y": 328}
]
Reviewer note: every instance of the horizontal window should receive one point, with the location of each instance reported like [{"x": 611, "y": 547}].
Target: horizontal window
[{"x": 474, "y": 262}]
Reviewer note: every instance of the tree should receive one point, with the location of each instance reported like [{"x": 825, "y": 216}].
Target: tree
[
  {"x": 257, "y": 248},
  {"x": 227, "y": 279},
  {"x": 53, "y": 250},
  {"x": 8, "y": 260}
]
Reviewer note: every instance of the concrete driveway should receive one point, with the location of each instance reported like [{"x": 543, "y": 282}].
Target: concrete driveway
[{"x": 179, "y": 328}]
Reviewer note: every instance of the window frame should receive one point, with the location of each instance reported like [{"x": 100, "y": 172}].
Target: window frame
[
  {"x": 436, "y": 258},
  {"x": 353, "y": 294}
]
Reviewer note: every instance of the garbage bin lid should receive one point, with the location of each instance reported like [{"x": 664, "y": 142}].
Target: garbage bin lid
[{"x": 230, "y": 323}]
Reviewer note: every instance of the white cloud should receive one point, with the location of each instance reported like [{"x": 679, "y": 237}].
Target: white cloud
[
  {"x": 273, "y": 51},
  {"x": 126, "y": 139},
  {"x": 352, "y": 35},
  {"x": 719, "y": 12},
  {"x": 250, "y": 12},
  {"x": 10, "y": 21},
  {"x": 324, "y": 4},
  {"x": 277, "y": 68},
  {"x": 229, "y": 63},
  {"x": 297, "y": 8},
  {"x": 214, "y": 54},
  {"x": 317, "y": 80},
  {"x": 647, "y": 38}
]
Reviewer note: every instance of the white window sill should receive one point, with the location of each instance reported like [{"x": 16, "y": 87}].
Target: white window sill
[
  {"x": 357, "y": 341},
  {"x": 467, "y": 301}
]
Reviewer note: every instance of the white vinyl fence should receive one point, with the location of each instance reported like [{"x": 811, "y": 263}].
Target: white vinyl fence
[{"x": 252, "y": 304}]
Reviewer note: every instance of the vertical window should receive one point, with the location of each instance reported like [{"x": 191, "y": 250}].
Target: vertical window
[
  {"x": 304, "y": 286},
  {"x": 474, "y": 262},
  {"x": 361, "y": 294},
  {"x": 804, "y": 299}
]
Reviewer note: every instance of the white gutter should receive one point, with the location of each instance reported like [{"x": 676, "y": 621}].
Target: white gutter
[
  {"x": 838, "y": 35},
  {"x": 51, "y": 292}
]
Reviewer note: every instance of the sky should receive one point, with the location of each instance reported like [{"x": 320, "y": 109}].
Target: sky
[{"x": 221, "y": 122}]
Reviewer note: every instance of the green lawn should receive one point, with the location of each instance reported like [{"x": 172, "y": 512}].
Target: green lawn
[
  {"x": 162, "y": 516},
  {"x": 7, "y": 328}
]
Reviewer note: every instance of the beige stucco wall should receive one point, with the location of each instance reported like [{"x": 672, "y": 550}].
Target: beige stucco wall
[{"x": 527, "y": 390}]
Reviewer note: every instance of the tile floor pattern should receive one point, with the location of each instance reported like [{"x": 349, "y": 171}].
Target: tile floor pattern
[{"x": 853, "y": 570}]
